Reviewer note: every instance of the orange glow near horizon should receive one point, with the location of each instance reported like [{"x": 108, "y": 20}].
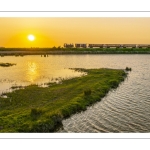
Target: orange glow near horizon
[{"x": 51, "y": 32}]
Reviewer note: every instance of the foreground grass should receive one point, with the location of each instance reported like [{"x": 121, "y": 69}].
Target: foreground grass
[{"x": 36, "y": 109}]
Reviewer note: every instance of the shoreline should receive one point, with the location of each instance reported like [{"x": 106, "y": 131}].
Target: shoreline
[
  {"x": 50, "y": 51},
  {"x": 36, "y": 109}
]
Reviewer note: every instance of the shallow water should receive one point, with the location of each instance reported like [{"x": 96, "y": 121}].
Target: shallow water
[
  {"x": 126, "y": 109},
  {"x": 33, "y": 70}
]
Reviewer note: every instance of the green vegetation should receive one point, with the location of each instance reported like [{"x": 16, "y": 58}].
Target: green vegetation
[
  {"x": 128, "y": 69},
  {"x": 17, "y": 87},
  {"x": 87, "y": 92},
  {"x": 37, "y": 109},
  {"x": 6, "y": 64},
  {"x": 60, "y": 50},
  {"x": 107, "y": 50}
]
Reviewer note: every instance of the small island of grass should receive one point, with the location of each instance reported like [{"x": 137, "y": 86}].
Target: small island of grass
[
  {"x": 6, "y": 64},
  {"x": 37, "y": 109}
]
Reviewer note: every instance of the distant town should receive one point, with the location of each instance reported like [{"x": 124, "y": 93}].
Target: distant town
[{"x": 84, "y": 45}]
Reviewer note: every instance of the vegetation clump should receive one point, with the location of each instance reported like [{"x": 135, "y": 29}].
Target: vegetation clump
[
  {"x": 128, "y": 69},
  {"x": 6, "y": 64},
  {"x": 37, "y": 109},
  {"x": 87, "y": 92},
  {"x": 17, "y": 87},
  {"x": 35, "y": 113}
]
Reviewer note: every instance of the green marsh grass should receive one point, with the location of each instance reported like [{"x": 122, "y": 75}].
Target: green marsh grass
[{"x": 37, "y": 109}]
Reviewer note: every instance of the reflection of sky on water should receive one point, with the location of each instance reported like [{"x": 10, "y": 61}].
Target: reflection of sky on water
[{"x": 33, "y": 70}]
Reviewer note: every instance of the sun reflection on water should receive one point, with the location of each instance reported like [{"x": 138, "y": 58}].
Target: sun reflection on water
[{"x": 32, "y": 71}]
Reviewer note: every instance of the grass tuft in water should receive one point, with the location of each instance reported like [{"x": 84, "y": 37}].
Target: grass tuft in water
[
  {"x": 128, "y": 69},
  {"x": 7, "y": 64}
]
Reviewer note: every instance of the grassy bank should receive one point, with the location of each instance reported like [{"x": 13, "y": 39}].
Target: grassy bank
[
  {"x": 37, "y": 109},
  {"x": 52, "y": 51}
]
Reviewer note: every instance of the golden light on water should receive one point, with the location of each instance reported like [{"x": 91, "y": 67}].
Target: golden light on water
[
  {"x": 32, "y": 71},
  {"x": 31, "y": 37}
]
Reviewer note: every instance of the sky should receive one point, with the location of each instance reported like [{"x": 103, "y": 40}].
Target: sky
[{"x": 55, "y": 31}]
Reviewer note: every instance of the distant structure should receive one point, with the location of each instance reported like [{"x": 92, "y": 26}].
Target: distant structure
[
  {"x": 68, "y": 45},
  {"x": 143, "y": 45},
  {"x": 83, "y": 45},
  {"x": 112, "y": 45},
  {"x": 129, "y": 45},
  {"x": 96, "y": 45}
]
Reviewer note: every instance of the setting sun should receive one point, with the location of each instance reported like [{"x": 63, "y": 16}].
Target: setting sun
[{"x": 31, "y": 37}]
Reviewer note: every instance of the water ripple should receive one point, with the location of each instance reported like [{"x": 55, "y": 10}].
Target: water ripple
[{"x": 126, "y": 109}]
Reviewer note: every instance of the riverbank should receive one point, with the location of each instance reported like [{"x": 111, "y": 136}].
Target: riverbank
[
  {"x": 54, "y": 51},
  {"x": 37, "y": 109}
]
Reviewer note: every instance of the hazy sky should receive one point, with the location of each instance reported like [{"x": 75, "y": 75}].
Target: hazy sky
[{"x": 51, "y": 32}]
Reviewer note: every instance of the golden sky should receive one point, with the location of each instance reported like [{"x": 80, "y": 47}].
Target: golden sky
[{"x": 54, "y": 31}]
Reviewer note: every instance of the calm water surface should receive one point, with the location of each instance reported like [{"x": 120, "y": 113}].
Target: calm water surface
[
  {"x": 126, "y": 109},
  {"x": 33, "y": 70}
]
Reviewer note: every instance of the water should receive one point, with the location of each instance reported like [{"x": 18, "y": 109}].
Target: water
[
  {"x": 126, "y": 109},
  {"x": 33, "y": 70}
]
